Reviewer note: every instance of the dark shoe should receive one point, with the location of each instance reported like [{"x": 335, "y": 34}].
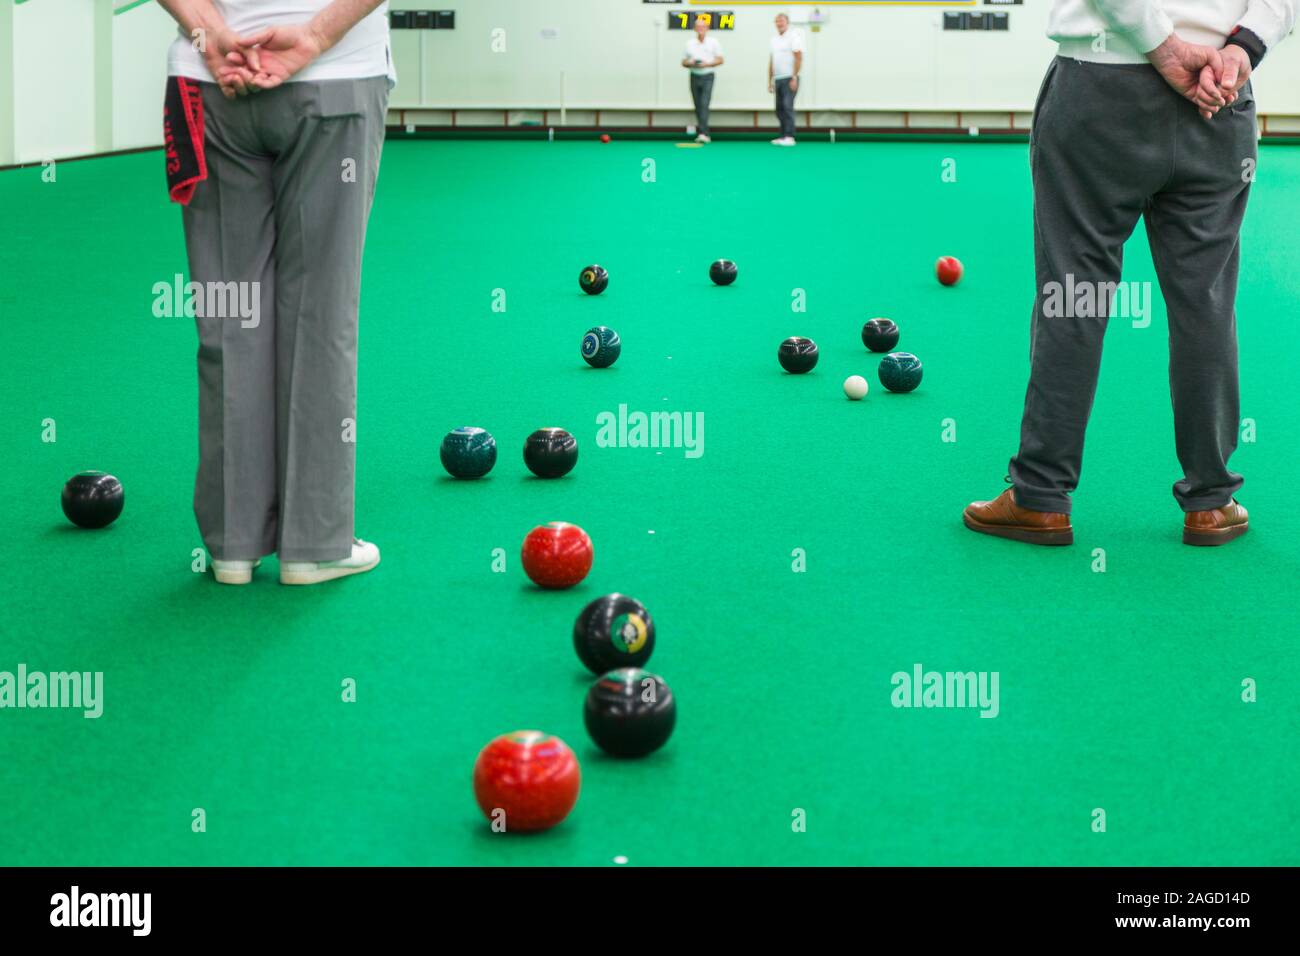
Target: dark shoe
[
  {"x": 1216, "y": 526},
  {"x": 1003, "y": 518}
]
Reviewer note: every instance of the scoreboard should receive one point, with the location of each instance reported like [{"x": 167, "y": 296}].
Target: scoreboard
[{"x": 716, "y": 19}]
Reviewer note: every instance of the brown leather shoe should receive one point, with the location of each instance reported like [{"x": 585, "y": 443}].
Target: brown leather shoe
[
  {"x": 1216, "y": 526},
  {"x": 1003, "y": 518}
]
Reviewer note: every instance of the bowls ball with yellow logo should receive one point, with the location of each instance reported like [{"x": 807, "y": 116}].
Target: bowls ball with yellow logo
[{"x": 614, "y": 631}]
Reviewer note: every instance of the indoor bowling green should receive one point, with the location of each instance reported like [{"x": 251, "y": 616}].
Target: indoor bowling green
[{"x": 802, "y": 554}]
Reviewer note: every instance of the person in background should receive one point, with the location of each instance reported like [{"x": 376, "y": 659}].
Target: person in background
[
  {"x": 783, "y": 76},
  {"x": 703, "y": 56},
  {"x": 1146, "y": 112},
  {"x": 274, "y": 120}
]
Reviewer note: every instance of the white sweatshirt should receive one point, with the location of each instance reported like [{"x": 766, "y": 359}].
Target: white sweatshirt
[{"x": 1135, "y": 27}]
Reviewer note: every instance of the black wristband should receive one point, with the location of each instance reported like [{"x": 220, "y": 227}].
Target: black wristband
[{"x": 1249, "y": 41}]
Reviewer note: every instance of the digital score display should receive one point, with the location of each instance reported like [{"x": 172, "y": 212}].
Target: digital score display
[{"x": 716, "y": 19}]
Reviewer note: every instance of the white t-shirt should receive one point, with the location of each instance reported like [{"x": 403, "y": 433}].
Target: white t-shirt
[
  {"x": 363, "y": 51},
  {"x": 708, "y": 51},
  {"x": 784, "y": 47}
]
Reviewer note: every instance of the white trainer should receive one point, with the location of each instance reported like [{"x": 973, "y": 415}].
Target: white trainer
[
  {"x": 234, "y": 572},
  {"x": 703, "y": 138},
  {"x": 364, "y": 557},
  {"x": 783, "y": 141}
]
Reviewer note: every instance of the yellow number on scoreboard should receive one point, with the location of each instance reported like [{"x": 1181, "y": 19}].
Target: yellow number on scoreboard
[
  {"x": 706, "y": 17},
  {"x": 685, "y": 19},
  {"x": 727, "y": 21}
]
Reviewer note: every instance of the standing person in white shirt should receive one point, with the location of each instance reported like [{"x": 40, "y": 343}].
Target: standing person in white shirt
[
  {"x": 703, "y": 56},
  {"x": 783, "y": 76}
]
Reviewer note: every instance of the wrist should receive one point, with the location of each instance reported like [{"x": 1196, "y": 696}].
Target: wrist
[
  {"x": 1167, "y": 50},
  {"x": 214, "y": 35},
  {"x": 317, "y": 36},
  {"x": 1250, "y": 43}
]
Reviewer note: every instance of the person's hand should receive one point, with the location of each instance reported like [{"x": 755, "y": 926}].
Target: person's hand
[
  {"x": 227, "y": 61},
  {"x": 1236, "y": 71},
  {"x": 794, "y": 84},
  {"x": 771, "y": 87},
  {"x": 1193, "y": 71},
  {"x": 281, "y": 52}
]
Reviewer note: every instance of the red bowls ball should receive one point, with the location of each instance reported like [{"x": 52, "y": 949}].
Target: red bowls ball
[
  {"x": 949, "y": 270},
  {"x": 527, "y": 780},
  {"x": 557, "y": 555}
]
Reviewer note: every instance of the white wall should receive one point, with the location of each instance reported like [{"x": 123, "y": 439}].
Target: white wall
[
  {"x": 620, "y": 54},
  {"x": 84, "y": 80},
  {"x": 54, "y": 79},
  {"x": 140, "y": 40},
  {"x": 613, "y": 53},
  {"x": 6, "y": 84}
]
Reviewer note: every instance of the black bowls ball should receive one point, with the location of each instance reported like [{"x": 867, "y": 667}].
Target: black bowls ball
[
  {"x": 900, "y": 371},
  {"x": 613, "y": 631},
  {"x": 550, "y": 452},
  {"x": 880, "y": 335},
  {"x": 468, "y": 452},
  {"x": 92, "y": 499},
  {"x": 630, "y": 712},
  {"x": 797, "y": 355},
  {"x": 601, "y": 347},
  {"x": 593, "y": 279},
  {"x": 723, "y": 272}
]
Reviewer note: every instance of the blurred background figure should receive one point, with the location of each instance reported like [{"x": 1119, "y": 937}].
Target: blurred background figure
[
  {"x": 703, "y": 56},
  {"x": 783, "y": 76}
]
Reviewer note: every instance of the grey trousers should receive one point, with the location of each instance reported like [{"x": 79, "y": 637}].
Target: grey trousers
[
  {"x": 701, "y": 94},
  {"x": 785, "y": 107},
  {"x": 280, "y": 223},
  {"x": 1110, "y": 144}
]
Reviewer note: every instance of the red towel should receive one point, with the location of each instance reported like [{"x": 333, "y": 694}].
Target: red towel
[{"x": 187, "y": 166}]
